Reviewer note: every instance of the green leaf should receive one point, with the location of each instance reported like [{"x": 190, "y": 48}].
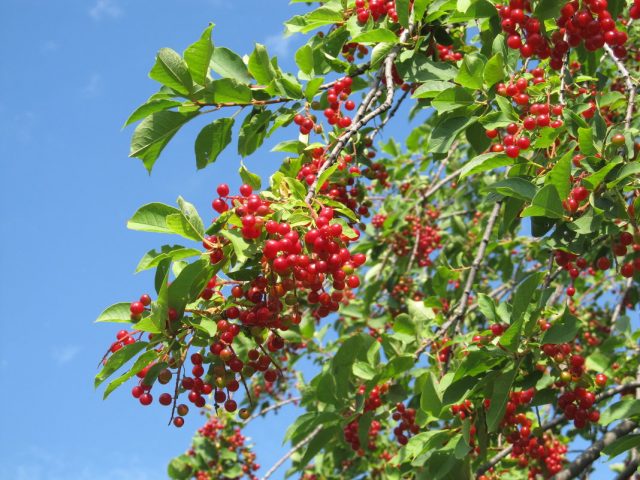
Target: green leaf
[
  {"x": 494, "y": 70},
  {"x": 249, "y": 178},
  {"x": 515, "y": 187},
  {"x": 377, "y": 35},
  {"x": 471, "y": 71},
  {"x": 189, "y": 284},
  {"x": 445, "y": 133},
  {"x": 229, "y": 64},
  {"x": 143, "y": 360},
  {"x": 524, "y": 294},
  {"x": 585, "y": 140},
  {"x": 621, "y": 445},
  {"x": 546, "y": 9},
  {"x": 154, "y": 132},
  {"x": 595, "y": 179},
  {"x": 312, "y": 88},
  {"x": 239, "y": 244},
  {"x": 253, "y": 131},
  {"x": 172, "y": 71},
  {"x": 628, "y": 170},
  {"x": 363, "y": 370},
  {"x": 178, "y": 469},
  {"x": 562, "y": 330},
  {"x": 430, "y": 398},
  {"x": 546, "y": 203},
  {"x": 117, "y": 360},
  {"x": 229, "y": 90},
  {"x": 402, "y": 7},
  {"x": 150, "y": 107},
  {"x": 560, "y": 174},
  {"x": 198, "y": 56},
  {"x": 499, "y": 397},
  {"x": 304, "y": 59},
  {"x": 624, "y": 409},
  {"x": 176, "y": 252},
  {"x": 212, "y": 140},
  {"x": 152, "y": 217},
  {"x": 379, "y": 53},
  {"x": 404, "y": 325},
  {"x": 452, "y": 99},
  {"x": 117, "y": 313},
  {"x": 419, "y": 7},
  {"x": 430, "y": 89},
  {"x": 260, "y": 66},
  {"x": 485, "y": 163}
]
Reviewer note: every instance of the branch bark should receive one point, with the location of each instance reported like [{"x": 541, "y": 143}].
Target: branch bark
[{"x": 592, "y": 453}]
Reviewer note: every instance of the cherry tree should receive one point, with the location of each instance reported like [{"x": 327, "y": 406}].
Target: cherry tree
[{"x": 466, "y": 292}]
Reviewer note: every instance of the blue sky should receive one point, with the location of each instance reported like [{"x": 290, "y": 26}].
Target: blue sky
[{"x": 72, "y": 72}]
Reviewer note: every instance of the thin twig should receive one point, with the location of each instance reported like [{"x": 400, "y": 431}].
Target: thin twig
[
  {"x": 293, "y": 450},
  {"x": 461, "y": 309},
  {"x": 628, "y": 81},
  {"x": 275, "y": 406},
  {"x": 618, "y": 310},
  {"x": 362, "y": 118}
]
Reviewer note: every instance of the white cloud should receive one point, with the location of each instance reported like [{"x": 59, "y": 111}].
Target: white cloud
[
  {"x": 105, "y": 8},
  {"x": 64, "y": 355},
  {"x": 93, "y": 86},
  {"x": 278, "y": 44}
]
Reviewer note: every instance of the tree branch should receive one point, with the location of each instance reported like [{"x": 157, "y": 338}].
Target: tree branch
[
  {"x": 362, "y": 118},
  {"x": 270, "y": 408},
  {"x": 461, "y": 309},
  {"x": 592, "y": 453},
  {"x": 628, "y": 81},
  {"x": 293, "y": 450},
  {"x": 557, "y": 420}
]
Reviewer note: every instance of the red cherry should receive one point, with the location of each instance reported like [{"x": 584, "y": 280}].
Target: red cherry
[
  {"x": 246, "y": 190},
  {"x": 223, "y": 190}
]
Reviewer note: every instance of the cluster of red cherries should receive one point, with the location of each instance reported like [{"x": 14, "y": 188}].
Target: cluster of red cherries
[
  {"x": 407, "y": 426},
  {"x": 447, "y": 54},
  {"x": 216, "y": 432},
  {"x": 376, "y": 9},
  {"x": 371, "y": 403},
  {"x": 587, "y": 22},
  {"x": 337, "y": 96}
]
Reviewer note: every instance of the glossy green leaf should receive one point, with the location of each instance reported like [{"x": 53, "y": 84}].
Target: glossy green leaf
[
  {"x": 378, "y": 35},
  {"x": 198, "y": 56},
  {"x": 117, "y": 313},
  {"x": 499, "y": 397},
  {"x": 141, "y": 362},
  {"x": 154, "y": 132},
  {"x": 260, "y": 66},
  {"x": 171, "y": 70},
  {"x": 494, "y": 70},
  {"x": 485, "y": 163},
  {"x": 229, "y": 64},
  {"x": 249, "y": 178},
  {"x": 176, "y": 252},
  {"x": 229, "y": 90},
  {"x": 117, "y": 360},
  {"x": 471, "y": 71},
  {"x": 562, "y": 330},
  {"x": 150, "y": 107},
  {"x": 152, "y": 217},
  {"x": 212, "y": 140},
  {"x": 546, "y": 203}
]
